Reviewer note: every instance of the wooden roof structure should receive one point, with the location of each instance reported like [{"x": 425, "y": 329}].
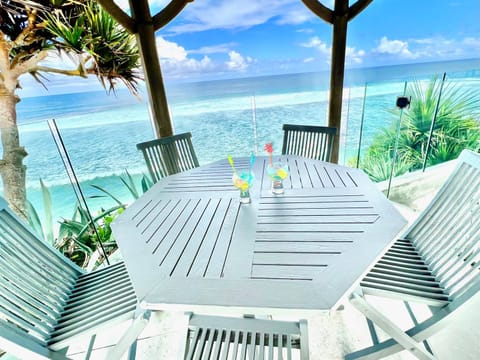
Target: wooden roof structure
[{"x": 144, "y": 25}]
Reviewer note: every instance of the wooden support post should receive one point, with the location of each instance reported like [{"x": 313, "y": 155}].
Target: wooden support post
[
  {"x": 339, "y": 18},
  {"x": 339, "y": 41},
  {"x": 145, "y": 34}
]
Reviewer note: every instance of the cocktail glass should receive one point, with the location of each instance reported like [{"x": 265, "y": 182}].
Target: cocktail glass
[
  {"x": 277, "y": 172},
  {"x": 243, "y": 182}
]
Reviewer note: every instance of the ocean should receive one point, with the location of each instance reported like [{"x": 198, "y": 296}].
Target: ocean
[{"x": 235, "y": 116}]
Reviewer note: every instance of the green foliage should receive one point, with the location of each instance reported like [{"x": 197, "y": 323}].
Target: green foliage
[
  {"x": 378, "y": 166},
  {"x": 44, "y": 231},
  {"x": 129, "y": 183},
  {"x": 79, "y": 237},
  {"x": 456, "y": 128},
  {"x": 112, "y": 51},
  {"x": 81, "y": 29}
]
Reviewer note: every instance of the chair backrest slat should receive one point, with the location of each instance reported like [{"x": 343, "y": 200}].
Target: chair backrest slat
[
  {"x": 447, "y": 233},
  {"x": 219, "y": 338},
  {"x": 35, "y": 279},
  {"x": 169, "y": 155},
  {"x": 314, "y": 142}
]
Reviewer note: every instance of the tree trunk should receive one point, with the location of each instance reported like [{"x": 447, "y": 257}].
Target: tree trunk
[{"x": 12, "y": 170}]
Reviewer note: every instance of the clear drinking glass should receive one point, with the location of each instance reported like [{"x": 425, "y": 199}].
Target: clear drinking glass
[
  {"x": 277, "y": 172},
  {"x": 243, "y": 182}
]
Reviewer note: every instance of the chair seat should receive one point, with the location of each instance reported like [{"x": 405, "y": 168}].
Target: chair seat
[
  {"x": 403, "y": 271},
  {"x": 437, "y": 262},
  {"x": 216, "y": 337},
  {"x": 47, "y": 302},
  {"x": 97, "y": 298}
]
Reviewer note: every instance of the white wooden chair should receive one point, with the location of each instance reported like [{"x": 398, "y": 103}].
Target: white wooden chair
[
  {"x": 47, "y": 302},
  {"x": 219, "y": 337},
  {"x": 436, "y": 262},
  {"x": 169, "y": 155},
  {"x": 315, "y": 142}
]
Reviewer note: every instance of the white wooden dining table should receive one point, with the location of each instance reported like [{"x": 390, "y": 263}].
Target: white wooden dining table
[{"x": 189, "y": 243}]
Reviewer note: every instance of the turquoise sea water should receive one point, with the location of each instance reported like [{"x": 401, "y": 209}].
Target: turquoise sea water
[{"x": 225, "y": 117}]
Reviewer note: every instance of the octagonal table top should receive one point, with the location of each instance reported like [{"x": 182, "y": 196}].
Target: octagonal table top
[{"x": 188, "y": 242}]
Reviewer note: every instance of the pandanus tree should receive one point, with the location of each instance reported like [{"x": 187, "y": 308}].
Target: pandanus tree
[{"x": 31, "y": 30}]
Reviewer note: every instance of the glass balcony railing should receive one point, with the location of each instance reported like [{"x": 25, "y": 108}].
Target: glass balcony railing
[{"x": 238, "y": 117}]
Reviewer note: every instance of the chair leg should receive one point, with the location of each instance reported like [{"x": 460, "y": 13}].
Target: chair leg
[
  {"x": 132, "y": 351},
  {"x": 90, "y": 347},
  {"x": 130, "y": 336},
  {"x": 304, "y": 347},
  {"x": 389, "y": 327}
]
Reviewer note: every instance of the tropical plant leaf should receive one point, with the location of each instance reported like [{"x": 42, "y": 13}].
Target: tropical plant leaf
[
  {"x": 127, "y": 180},
  {"x": 88, "y": 224},
  {"x": 43, "y": 230},
  {"x": 47, "y": 209},
  {"x": 108, "y": 193},
  {"x": 34, "y": 220},
  {"x": 146, "y": 182}
]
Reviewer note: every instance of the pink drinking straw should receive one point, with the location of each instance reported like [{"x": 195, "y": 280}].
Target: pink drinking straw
[{"x": 269, "y": 150}]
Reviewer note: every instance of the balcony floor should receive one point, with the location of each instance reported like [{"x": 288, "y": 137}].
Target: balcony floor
[{"x": 331, "y": 336}]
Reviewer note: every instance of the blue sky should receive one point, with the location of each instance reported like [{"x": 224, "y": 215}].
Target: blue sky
[
  {"x": 252, "y": 37},
  {"x": 217, "y": 39}
]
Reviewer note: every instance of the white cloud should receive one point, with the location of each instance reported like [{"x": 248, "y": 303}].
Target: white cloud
[
  {"x": 439, "y": 47},
  {"x": 351, "y": 55},
  {"x": 394, "y": 47},
  {"x": 124, "y": 4},
  {"x": 239, "y": 14},
  {"x": 470, "y": 41},
  {"x": 306, "y": 31},
  {"x": 176, "y": 62},
  {"x": 434, "y": 48},
  {"x": 318, "y": 45},
  {"x": 168, "y": 50},
  {"x": 60, "y": 60},
  {"x": 233, "y": 14},
  {"x": 354, "y": 56},
  {"x": 215, "y": 49},
  {"x": 237, "y": 62},
  {"x": 295, "y": 16}
]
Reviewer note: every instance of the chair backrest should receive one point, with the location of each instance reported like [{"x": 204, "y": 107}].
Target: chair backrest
[
  {"x": 169, "y": 155},
  {"x": 35, "y": 282},
  {"x": 217, "y": 337},
  {"x": 315, "y": 142},
  {"x": 447, "y": 232}
]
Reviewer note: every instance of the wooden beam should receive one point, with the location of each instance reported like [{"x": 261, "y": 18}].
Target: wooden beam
[
  {"x": 357, "y": 8},
  {"x": 163, "y": 17},
  {"x": 320, "y": 10},
  {"x": 118, "y": 14}
]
